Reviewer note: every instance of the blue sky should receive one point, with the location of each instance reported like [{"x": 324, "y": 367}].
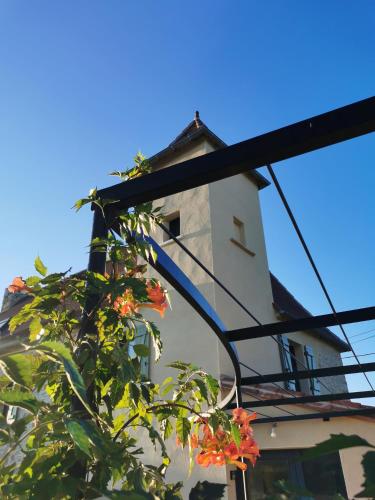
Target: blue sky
[{"x": 84, "y": 85}]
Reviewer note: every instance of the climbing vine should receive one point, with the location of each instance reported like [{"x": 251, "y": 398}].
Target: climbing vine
[{"x": 80, "y": 382}]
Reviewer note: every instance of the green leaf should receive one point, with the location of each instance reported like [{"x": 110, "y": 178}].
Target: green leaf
[
  {"x": 32, "y": 280},
  {"x": 213, "y": 385},
  {"x": 167, "y": 389},
  {"x": 368, "y": 463},
  {"x": 335, "y": 443},
  {"x": 141, "y": 350},
  {"x": 167, "y": 381},
  {"x": 135, "y": 392},
  {"x": 40, "y": 267},
  {"x": 146, "y": 393},
  {"x": 207, "y": 491},
  {"x": 130, "y": 495},
  {"x": 179, "y": 365},
  {"x": 80, "y": 436},
  {"x": 235, "y": 431},
  {"x": 25, "y": 400},
  {"x": 20, "y": 424},
  {"x": 18, "y": 368},
  {"x": 25, "y": 314},
  {"x": 167, "y": 429},
  {"x": 214, "y": 422},
  {"x": 202, "y": 388},
  {"x": 80, "y": 203},
  {"x": 88, "y": 438},
  {"x": 183, "y": 429},
  {"x": 99, "y": 277},
  {"x": 155, "y": 338},
  {"x": 72, "y": 373},
  {"x": 34, "y": 329},
  {"x": 105, "y": 389},
  {"x": 156, "y": 437}
]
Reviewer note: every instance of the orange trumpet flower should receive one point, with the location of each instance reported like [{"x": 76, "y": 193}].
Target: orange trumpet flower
[{"x": 18, "y": 286}]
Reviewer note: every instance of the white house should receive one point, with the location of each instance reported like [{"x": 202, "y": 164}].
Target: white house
[{"x": 221, "y": 224}]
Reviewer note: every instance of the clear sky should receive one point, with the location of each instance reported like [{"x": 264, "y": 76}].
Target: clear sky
[{"x": 84, "y": 85}]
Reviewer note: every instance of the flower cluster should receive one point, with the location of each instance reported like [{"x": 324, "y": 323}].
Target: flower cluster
[
  {"x": 18, "y": 286},
  {"x": 219, "y": 448},
  {"x": 126, "y": 304}
]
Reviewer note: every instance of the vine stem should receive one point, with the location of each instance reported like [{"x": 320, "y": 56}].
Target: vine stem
[
  {"x": 19, "y": 441},
  {"x": 153, "y": 408}
]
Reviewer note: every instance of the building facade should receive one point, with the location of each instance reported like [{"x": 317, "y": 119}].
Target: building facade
[{"x": 221, "y": 224}]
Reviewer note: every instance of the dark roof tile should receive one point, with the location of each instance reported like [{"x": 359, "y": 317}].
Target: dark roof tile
[{"x": 288, "y": 306}]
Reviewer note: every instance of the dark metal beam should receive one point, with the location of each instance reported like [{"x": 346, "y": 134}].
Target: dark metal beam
[
  {"x": 295, "y": 325},
  {"x": 308, "y": 135},
  {"x": 169, "y": 270},
  {"x": 304, "y": 399},
  {"x": 317, "y": 373},
  {"x": 323, "y": 415},
  {"x": 96, "y": 264}
]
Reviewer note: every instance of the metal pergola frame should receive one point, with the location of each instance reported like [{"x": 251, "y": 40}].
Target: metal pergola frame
[{"x": 308, "y": 135}]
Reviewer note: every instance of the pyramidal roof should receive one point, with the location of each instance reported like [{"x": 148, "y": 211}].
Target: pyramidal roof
[{"x": 196, "y": 130}]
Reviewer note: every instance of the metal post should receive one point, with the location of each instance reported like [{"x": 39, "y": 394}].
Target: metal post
[
  {"x": 87, "y": 330},
  {"x": 96, "y": 264}
]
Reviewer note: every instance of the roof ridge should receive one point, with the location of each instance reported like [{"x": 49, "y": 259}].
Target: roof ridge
[
  {"x": 196, "y": 130},
  {"x": 192, "y": 127}
]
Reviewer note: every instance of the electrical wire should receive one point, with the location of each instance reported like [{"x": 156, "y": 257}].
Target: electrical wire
[
  {"x": 362, "y": 333},
  {"x": 360, "y": 355},
  {"x": 361, "y": 340},
  {"x": 313, "y": 265}
]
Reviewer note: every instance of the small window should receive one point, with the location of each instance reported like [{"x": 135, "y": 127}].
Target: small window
[
  {"x": 239, "y": 231},
  {"x": 173, "y": 225},
  {"x": 288, "y": 362},
  {"x": 294, "y": 361},
  {"x": 296, "y": 357},
  {"x": 311, "y": 365}
]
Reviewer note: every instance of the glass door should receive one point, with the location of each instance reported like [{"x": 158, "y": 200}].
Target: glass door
[{"x": 322, "y": 477}]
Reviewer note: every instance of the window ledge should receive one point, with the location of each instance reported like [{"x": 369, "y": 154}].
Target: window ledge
[
  {"x": 243, "y": 247},
  {"x": 170, "y": 241}
]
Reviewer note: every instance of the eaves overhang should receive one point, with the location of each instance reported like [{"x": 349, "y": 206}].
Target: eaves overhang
[{"x": 194, "y": 132}]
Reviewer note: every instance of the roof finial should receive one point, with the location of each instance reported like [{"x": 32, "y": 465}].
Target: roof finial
[{"x": 196, "y": 118}]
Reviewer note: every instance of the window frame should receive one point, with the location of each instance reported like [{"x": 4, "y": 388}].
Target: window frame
[
  {"x": 297, "y": 472},
  {"x": 240, "y": 233},
  {"x": 168, "y": 219}
]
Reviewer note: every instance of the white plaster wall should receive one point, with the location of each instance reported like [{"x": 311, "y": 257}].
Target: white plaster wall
[
  {"x": 246, "y": 276},
  {"x": 207, "y": 228},
  {"x": 185, "y": 335}
]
